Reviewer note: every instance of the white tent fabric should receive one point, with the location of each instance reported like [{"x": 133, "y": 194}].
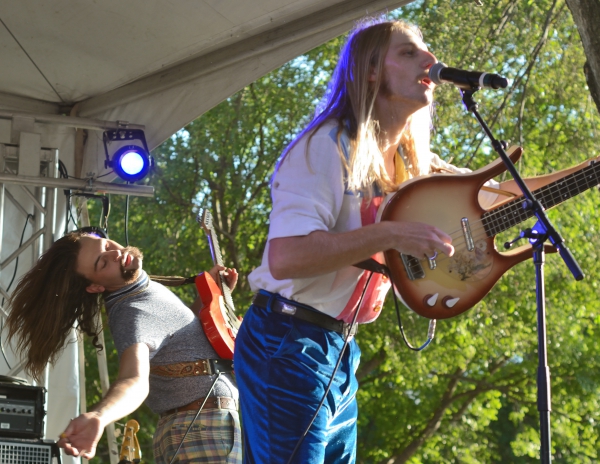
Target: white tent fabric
[
  {"x": 148, "y": 62},
  {"x": 155, "y": 63}
]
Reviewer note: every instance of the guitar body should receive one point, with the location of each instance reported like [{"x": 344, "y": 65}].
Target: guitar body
[
  {"x": 213, "y": 316},
  {"x": 457, "y": 283}
]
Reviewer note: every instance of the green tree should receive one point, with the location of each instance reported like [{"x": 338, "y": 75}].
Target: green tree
[{"x": 472, "y": 396}]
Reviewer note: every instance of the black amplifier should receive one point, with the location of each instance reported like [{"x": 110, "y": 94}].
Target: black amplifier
[{"x": 21, "y": 410}]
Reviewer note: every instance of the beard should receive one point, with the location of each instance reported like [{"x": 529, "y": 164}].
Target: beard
[{"x": 131, "y": 275}]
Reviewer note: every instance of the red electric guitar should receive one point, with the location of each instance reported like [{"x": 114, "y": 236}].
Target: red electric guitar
[
  {"x": 217, "y": 315},
  {"x": 448, "y": 286}
]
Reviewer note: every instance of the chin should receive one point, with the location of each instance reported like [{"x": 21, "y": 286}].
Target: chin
[
  {"x": 136, "y": 264},
  {"x": 131, "y": 276}
]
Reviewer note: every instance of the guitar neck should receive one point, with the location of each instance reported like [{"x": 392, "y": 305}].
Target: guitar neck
[
  {"x": 512, "y": 213},
  {"x": 217, "y": 258}
]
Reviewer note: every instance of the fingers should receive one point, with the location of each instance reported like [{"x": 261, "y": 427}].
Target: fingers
[
  {"x": 214, "y": 272},
  {"x": 80, "y": 436},
  {"x": 434, "y": 252},
  {"x": 443, "y": 244},
  {"x": 232, "y": 277},
  {"x": 422, "y": 240},
  {"x": 71, "y": 450},
  {"x": 66, "y": 444},
  {"x": 228, "y": 273},
  {"x": 89, "y": 454}
]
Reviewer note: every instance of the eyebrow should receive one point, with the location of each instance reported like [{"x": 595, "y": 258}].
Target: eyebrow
[
  {"x": 413, "y": 44},
  {"x": 98, "y": 260}
]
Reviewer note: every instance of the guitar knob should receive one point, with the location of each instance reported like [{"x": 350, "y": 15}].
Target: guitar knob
[
  {"x": 430, "y": 300},
  {"x": 449, "y": 301}
]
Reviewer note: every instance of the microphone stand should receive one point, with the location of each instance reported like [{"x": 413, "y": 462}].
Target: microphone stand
[{"x": 542, "y": 231}]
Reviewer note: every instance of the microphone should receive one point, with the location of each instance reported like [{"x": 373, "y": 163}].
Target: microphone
[{"x": 439, "y": 73}]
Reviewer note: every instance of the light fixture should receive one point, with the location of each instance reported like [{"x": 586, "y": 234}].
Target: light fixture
[{"x": 130, "y": 161}]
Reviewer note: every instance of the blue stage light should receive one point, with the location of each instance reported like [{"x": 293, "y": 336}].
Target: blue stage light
[{"x": 131, "y": 163}]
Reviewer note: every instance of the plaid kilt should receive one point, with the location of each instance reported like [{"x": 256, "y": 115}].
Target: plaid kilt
[{"x": 215, "y": 437}]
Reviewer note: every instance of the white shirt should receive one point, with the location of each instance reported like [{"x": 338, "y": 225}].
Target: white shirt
[{"x": 309, "y": 194}]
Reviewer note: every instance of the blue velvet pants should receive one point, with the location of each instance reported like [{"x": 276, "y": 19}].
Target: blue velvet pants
[{"x": 282, "y": 367}]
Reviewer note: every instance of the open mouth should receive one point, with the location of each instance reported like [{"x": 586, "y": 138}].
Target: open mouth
[
  {"x": 127, "y": 260},
  {"x": 428, "y": 82}
]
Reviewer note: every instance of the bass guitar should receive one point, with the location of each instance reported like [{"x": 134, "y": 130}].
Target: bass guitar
[
  {"x": 217, "y": 315},
  {"x": 447, "y": 286}
]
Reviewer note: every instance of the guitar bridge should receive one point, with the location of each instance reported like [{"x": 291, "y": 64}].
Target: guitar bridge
[{"x": 413, "y": 267}]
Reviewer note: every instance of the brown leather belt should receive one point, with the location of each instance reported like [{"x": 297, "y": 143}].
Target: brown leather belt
[
  {"x": 213, "y": 402},
  {"x": 193, "y": 368},
  {"x": 286, "y": 307}
]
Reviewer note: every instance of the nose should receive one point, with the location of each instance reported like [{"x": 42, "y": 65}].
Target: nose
[
  {"x": 115, "y": 255},
  {"x": 429, "y": 59}
]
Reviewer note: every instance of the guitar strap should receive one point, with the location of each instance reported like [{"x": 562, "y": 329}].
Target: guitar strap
[
  {"x": 373, "y": 266},
  {"x": 173, "y": 281}
]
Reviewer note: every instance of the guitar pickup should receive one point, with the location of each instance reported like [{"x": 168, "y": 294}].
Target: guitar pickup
[
  {"x": 413, "y": 267},
  {"x": 466, "y": 230}
]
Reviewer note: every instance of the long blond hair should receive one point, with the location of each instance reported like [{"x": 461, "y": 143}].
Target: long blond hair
[{"x": 350, "y": 99}]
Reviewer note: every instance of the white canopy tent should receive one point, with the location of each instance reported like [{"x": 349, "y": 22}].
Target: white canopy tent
[{"x": 71, "y": 66}]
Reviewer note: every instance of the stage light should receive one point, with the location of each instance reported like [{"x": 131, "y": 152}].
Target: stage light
[{"x": 130, "y": 162}]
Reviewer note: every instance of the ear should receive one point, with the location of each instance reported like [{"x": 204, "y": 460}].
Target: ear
[
  {"x": 95, "y": 288},
  {"x": 372, "y": 74}
]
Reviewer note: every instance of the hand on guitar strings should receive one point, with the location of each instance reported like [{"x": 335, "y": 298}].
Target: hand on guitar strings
[
  {"x": 228, "y": 274},
  {"x": 419, "y": 239}
]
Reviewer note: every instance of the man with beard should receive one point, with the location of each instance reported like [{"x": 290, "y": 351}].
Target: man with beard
[{"x": 164, "y": 355}]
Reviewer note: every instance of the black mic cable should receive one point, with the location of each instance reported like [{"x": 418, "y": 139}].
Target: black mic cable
[
  {"x": 337, "y": 365},
  {"x": 430, "y": 335}
]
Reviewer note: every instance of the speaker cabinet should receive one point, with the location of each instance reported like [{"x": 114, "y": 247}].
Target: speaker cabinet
[
  {"x": 21, "y": 411},
  {"x": 15, "y": 451}
]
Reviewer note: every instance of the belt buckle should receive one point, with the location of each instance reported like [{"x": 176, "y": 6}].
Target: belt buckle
[
  {"x": 225, "y": 403},
  {"x": 288, "y": 309},
  {"x": 207, "y": 367}
]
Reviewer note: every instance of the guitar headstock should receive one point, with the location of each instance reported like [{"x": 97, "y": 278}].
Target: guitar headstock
[
  {"x": 130, "y": 448},
  {"x": 205, "y": 220}
]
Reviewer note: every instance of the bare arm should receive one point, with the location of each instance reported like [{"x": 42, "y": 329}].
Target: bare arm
[
  {"x": 124, "y": 396},
  {"x": 321, "y": 252}
]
